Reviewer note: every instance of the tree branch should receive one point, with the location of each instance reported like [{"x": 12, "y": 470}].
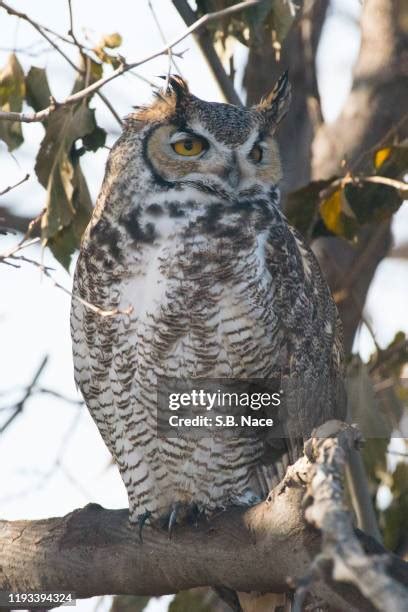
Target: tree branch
[
  {"x": 298, "y": 54},
  {"x": 10, "y": 187},
  {"x": 95, "y": 551},
  {"x": 328, "y": 513},
  {"x": 204, "y": 41},
  {"x": 124, "y": 67}
]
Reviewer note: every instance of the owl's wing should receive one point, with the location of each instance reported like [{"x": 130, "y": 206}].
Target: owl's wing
[
  {"x": 91, "y": 357},
  {"x": 311, "y": 351}
]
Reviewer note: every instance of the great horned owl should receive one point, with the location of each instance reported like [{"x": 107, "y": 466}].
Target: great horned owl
[{"x": 188, "y": 231}]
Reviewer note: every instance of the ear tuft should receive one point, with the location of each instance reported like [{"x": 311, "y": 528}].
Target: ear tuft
[
  {"x": 178, "y": 86},
  {"x": 274, "y": 107}
]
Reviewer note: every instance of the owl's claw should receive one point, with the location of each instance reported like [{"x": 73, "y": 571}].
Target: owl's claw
[
  {"x": 173, "y": 519},
  {"x": 142, "y": 518}
]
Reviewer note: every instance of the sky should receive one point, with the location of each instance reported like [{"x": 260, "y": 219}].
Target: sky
[{"x": 52, "y": 459}]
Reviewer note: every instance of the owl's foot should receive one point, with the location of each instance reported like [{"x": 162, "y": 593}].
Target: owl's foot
[
  {"x": 141, "y": 520},
  {"x": 193, "y": 515},
  {"x": 180, "y": 513}
]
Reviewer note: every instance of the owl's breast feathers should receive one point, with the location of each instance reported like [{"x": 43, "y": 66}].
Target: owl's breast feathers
[{"x": 220, "y": 289}]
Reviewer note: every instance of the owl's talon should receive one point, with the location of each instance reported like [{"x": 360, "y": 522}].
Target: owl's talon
[
  {"x": 172, "y": 519},
  {"x": 142, "y": 519},
  {"x": 193, "y": 515}
]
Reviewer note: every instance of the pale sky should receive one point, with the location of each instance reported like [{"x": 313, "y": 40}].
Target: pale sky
[{"x": 52, "y": 459}]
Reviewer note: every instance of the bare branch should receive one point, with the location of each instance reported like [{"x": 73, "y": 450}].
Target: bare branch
[
  {"x": 163, "y": 37},
  {"x": 10, "y": 222},
  {"x": 124, "y": 67},
  {"x": 43, "y": 31},
  {"x": 18, "y": 408},
  {"x": 12, "y": 11},
  {"x": 13, "y": 255},
  {"x": 10, "y": 187},
  {"x": 358, "y": 180}
]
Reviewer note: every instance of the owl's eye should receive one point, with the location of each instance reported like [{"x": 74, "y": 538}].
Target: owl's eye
[
  {"x": 256, "y": 154},
  {"x": 189, "y": 146}
]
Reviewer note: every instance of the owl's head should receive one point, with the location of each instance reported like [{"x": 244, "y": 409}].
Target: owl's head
[{"x": 211, "y": 146}]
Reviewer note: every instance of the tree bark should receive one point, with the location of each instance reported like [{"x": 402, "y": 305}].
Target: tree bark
[{"x": 296, "y": 133}]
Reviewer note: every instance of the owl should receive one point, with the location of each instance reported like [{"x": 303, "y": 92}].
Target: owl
[{"x": 188, "y": 232}]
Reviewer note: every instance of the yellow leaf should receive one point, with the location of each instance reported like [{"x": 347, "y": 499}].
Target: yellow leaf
[
  {"x": 338, "y": 216},
  {"x": 330, "y": 210},
  {"x": 381, "y": 156}
]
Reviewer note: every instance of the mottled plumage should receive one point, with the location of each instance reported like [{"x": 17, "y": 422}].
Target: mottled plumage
[{"x": 220, "y": 285}]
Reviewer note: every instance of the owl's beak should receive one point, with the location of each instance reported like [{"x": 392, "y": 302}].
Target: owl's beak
[{"x": 233, "y": 176}]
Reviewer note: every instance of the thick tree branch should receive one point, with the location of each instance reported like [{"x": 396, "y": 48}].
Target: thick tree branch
[{"x": 95, "y": 551}]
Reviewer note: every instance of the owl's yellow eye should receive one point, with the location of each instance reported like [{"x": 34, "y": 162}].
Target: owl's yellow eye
[
  {"x": 189, "y": 146},
  {"x": 256, "y": 154}
]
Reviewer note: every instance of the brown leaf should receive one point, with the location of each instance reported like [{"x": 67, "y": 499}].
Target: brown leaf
[{"x": 68, "y": 203}]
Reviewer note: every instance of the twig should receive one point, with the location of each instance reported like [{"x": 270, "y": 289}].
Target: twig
[
  {"x": 71, "y": 25},
  {"x": 357, "y": 180},
  {"x": 42, "y": 31},
  {"x": 124, "y": 67},
  {"x": 384, "y": 180},
  {"x": 26, "y": 50},
  {"x": 12, "y": 254},
  {"x": 36, "y": 26},
  {"x": 10, "y": 187},
  {"x": 12, "y": 11},
  {"x": 57, "y": 464},
  {"x": 163, "y": 37},
  {"x": 18, "y": 408},
  {"x": 60, "y": 396},
  {"x": 21, "y": 245}
]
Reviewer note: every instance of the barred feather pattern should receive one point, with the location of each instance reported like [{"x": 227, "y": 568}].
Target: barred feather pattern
[{"x": 220, "y": 287}]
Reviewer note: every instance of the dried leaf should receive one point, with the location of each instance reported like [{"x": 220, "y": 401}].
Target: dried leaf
[
  {"x": 12, "y": 92},
  {"x": 37, "y": 89},
  {"x": 109, "y": 41},
  {"x": 112, "y": 41},
  {"x": 68, "y": 203},
  {"x": 302, "y": 207}
]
